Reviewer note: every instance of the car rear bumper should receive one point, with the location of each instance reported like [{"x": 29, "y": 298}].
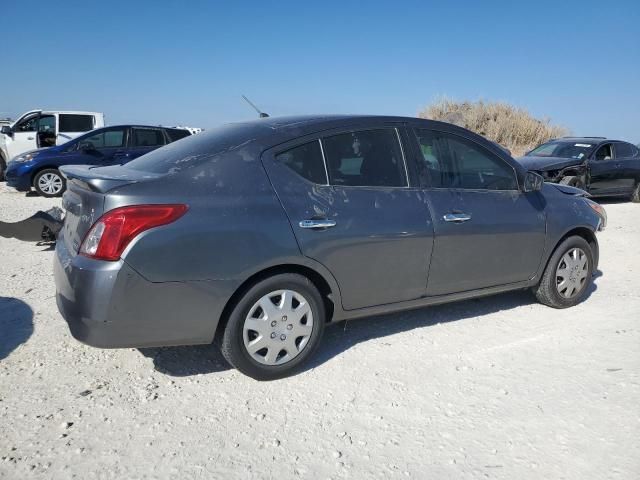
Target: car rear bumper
[{"x": 110, "y": 305}]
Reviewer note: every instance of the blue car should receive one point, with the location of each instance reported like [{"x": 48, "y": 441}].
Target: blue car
[{"x": 105, "y": 146}]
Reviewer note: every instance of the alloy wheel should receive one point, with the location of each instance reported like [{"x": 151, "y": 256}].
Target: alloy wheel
[{"x": 50, "y": 183}]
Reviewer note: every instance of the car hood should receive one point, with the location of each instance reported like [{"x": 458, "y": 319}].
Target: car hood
[
  {"x": 547, "y": 163},
  {"x": 566, "y": 189}
]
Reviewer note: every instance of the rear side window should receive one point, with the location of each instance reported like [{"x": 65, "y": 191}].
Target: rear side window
[
  {"x": 369, "y": 158},
  {"x": 147, "y": 137},
  {"x": 75, "y": 123},
  {"x": 451, "y": 161},
  {"x": 177, "y": 133},
  {"x": 306, "y": 160},
  {"x": 625, "y": 150}
]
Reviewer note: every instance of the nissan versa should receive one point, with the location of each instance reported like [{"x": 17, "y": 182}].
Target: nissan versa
[{"x": 257, "y": 234}]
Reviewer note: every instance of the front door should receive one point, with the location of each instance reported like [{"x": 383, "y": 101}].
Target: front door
[
  {"x": 605, "y": 172},
  {"x": 353, "y": 210},
  {"x": 24, "y": 136},
  {"x": 106, "y": 147},
  {"x": 487, "y": 232}
]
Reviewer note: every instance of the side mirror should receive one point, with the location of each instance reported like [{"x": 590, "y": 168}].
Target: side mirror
[
  {"x": 532, "y": 182},
  {"x": 6, "y": 129},
  {"x": 86, "y": 147}
]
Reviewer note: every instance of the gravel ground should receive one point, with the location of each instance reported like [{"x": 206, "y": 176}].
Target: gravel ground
[{"x": 499, "y": 387}]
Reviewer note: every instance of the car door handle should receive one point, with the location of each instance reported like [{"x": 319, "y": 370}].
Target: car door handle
[
  {"x": 317, "y": 224},
  {"x": 457, "y": 217},
  {"x": 30, "y": 138}
]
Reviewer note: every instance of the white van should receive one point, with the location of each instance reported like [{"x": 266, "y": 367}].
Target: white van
[{"x": 38, "y": 129}]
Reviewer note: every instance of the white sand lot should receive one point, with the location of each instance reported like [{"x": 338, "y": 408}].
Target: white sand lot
[{"x": 500, "y": 387}]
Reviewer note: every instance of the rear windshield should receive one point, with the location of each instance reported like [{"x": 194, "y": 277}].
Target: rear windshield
[{"x": 194, "y": 150}]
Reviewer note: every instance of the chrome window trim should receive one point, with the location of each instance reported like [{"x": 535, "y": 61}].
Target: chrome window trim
[
  {"x": 404, "y": 158},
  {"x": 324, "y": 161}
]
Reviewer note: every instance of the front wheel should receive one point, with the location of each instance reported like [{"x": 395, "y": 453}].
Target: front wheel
[
  {"x": 49, "y": 183},
  {"x": 572, "y": 181},
  {"x": 635, "y": 196},
  {"x": 274, "y": 327},
  {"x": 566, "y": 280}
]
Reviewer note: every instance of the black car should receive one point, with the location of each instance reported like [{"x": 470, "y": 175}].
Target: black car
[{"x": 598, "y": 165}]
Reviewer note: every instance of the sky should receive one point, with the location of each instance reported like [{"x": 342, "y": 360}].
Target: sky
[{"x": 188, "y": 62}]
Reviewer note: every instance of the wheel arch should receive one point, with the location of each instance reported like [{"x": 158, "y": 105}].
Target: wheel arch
[
  {"x": 588, "y": 235},
  {"x": 37, "y": 170},
  {"x": 328, "y": 289}
]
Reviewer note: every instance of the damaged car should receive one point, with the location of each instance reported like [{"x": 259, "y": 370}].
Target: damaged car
[
  {"x": 256, "y": 235},
  {"x": 598, "y": 165}
]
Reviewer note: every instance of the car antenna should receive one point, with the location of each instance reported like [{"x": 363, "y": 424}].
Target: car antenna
[{"x": 261, "y": 113}]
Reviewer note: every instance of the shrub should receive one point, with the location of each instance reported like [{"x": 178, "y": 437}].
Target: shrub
[{"x": 510, "y": 126}]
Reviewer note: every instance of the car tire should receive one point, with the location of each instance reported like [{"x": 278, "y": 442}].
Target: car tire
[
  {"x": 49, "y": 183},
  {"x": 3, "y": 168},
  {"x": 572, "y": 181},
  {"x": 257, "y": 340},
  {"x": 635, "y": 196},
  {"x": 565, "y": 271}
]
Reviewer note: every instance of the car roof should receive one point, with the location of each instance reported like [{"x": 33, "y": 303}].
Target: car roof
[{"x": 592, "y": 140}]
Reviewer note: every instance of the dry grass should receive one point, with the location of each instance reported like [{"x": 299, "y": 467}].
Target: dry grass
[{"x": 510, "y": 126}]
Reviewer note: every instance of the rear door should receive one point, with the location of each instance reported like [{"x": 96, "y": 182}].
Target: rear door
[
  {"x": 353, "y": 209},
  {"x": 487, "y": 232},
  {"x": 143, "y": 140}
]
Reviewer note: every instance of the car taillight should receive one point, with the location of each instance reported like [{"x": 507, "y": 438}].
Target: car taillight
[{"x": 110, "y": 235}]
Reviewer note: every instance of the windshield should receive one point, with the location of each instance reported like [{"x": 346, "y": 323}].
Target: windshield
[{"x": 564, "y": 149}]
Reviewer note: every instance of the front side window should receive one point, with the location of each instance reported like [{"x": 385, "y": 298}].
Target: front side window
[
  {"x": 28, "y": 124},
  {"x": 147, "y": 137},
  {"x": 306, "y": 160},
  {"x": 177, "y": 133},
  {"x": 75, "y": 123},
  {"x": 106, "y": 139},
  {"x": 604, "y": 152},
  {"x": 451, "y": 161},
  {"x": 369, "y": 158}
]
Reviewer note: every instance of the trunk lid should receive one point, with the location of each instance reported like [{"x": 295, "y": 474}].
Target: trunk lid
[{"x": 84, "y": 199}]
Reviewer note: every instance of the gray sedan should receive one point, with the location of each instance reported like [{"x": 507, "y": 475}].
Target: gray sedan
[{"x": 257, "y": 234}]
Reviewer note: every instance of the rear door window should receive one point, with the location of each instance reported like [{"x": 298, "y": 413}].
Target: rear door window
[
  {"x": 367, "y": 158},
  {"x": 306, "y": 160},
  {"x": 177, "y": 133},
  {"x": 452, "y": 161},
  {"x": 75, "y": 123},
  {"x": 147, "y": 137},
  {"x": 625, "y": 150}
]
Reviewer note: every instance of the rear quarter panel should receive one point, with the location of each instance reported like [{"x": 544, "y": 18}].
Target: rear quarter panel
[{"x": 235, "y": 224}]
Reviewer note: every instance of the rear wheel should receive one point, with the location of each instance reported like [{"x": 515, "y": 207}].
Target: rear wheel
[
  {"x": 49, "y": 183},
  {"x": 274, "y": 327},
  {"x": 566, "y": 280}
]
